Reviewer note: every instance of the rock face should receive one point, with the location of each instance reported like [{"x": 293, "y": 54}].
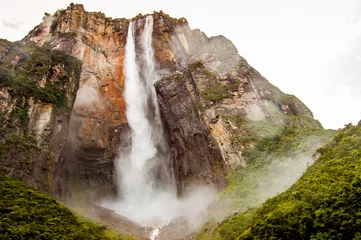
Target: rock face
[
  {"x": 209, "y": 98},
  {"x": 98, "y": 117},
  {"x": 194, "y": 152},
  {"x": 36, "y": 98}
]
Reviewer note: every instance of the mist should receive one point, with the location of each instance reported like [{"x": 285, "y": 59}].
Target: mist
[
  {"x": 14, "y": 24},
  {"x": 86, "y": 96},
  {"x": 261, "y": 183}
]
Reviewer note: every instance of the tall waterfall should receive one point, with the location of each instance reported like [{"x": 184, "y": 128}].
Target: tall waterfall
[{"x": 145, "y": 177}]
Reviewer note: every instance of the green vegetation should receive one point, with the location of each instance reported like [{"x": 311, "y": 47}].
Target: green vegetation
[
  {"x": 199, "y": 68},
  {"x": 26, "y": 213},
  {"x": 216, "y": 91},
  {"x": 323, "y": 204},
  {"x": 274, "y": 163},
  {"x": 4, "y": 44},
  {"x": 21, "y": 115},
  {"x": 288, "y": 99},
  {"x": 36, "y": 65},
  {"x": 18, "y": 147},
  {"x": 15, "y": 141},
  {"x": 289, "y": 142},
  {"x": 270, "y": 158},
  {"x": 249, "y": 132}
]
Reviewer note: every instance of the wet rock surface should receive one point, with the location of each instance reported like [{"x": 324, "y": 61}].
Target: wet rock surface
[{"x": 195, "y": 157}]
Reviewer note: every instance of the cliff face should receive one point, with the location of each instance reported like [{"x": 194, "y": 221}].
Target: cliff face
[
  {"x": 195, "y": 154},
  {"x": 37, "y": 91},
  {"x": 98, "y": 117},
  {"x": 209, "y": 97}
]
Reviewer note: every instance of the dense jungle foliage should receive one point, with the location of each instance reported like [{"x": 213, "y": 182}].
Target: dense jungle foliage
[
  {"x": 25, "y": 213},
  {"x": 323, "y": 204}
]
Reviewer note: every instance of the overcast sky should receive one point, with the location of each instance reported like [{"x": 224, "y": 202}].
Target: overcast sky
[{"x": 309, "y": 48}]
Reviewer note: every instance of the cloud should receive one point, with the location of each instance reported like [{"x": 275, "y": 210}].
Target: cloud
[
  {"x": 358, "y": 8},
  {"x": 13, "y": 23},
  {"x": 346, "y": 69}
]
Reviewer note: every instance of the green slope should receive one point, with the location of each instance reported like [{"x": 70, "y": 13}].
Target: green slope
[
  {"x": 325, "y": 203},
  {"x": 25, "y": 213},
  {"x": 274, "y": 164}
]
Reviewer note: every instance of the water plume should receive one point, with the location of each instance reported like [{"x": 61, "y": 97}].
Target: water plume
[{"x": 144, "y": 173}]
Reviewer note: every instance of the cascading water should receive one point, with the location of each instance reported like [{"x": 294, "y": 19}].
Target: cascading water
[{"x": 145, "y": 177}]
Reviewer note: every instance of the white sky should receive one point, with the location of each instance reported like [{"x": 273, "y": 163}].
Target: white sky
[{"x": 309, "y": 48}]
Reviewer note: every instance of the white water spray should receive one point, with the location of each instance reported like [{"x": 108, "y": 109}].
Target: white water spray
[{"x": 145, "y": 176}]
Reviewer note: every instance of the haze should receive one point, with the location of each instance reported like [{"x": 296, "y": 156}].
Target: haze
[{"x": 309, "y": 48}]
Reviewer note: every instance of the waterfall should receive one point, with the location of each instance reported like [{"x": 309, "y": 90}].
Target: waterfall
[
  {"x": 145, "y": 179},
  {"x": 144, "y": 173}
]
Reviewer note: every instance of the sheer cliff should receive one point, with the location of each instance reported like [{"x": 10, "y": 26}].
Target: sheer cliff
[
  {"x": 213, "y": 103},
  {"x": 38, "y": 88}
]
